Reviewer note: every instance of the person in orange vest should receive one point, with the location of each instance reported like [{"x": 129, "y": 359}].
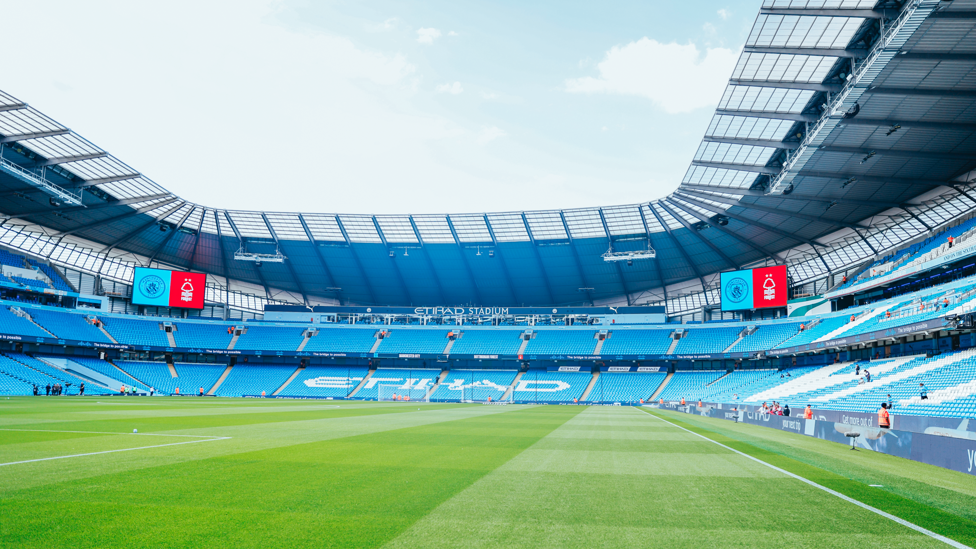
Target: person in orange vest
[
  {"x": 406, "y": 397},
  {"x": 682, "y": 401},
  {"x": 852, "y": 318},
  {"x": 177, "y": 391},
  {"x": 884, "y": 420},
  {"x": 122, "y": 390},
  {"x": 201, "y": 391},
  {"x": 888, "y": 314},
  {"x": 699, "y": 403},
  {"x": 575, "y": 401},
  {"x": 660, "y": 401},
  {"x": 489, "y": 400},
  {"x": 808, "y": 413},
  {"x": 262, "y": 393},
  {"x": 951, "y": 240},
  {"x": 642, "y": 401}
]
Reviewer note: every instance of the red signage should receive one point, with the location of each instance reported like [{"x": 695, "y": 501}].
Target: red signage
[
  {"x": 186, "y": 290},
  {"x": 769, "y": 287}
]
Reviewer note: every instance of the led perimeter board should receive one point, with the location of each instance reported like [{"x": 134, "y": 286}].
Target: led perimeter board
[
  {"x": 754, "y": 288},
  {"x": 168, "y": 288}
]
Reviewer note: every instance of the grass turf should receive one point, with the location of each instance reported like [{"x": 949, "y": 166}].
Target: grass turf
[{"x": 303, "y": 473}]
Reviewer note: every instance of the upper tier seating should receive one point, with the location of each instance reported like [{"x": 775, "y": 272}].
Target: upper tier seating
[
  {"x": 488, "y": 342},
  {"x": 414, "y": 341},
  {"x": 476, "y": 385},
  {"x": 57, "y": 281},
  {"x": 200, "y": 335},
  {"x": 13, "y": 324},
  {"x": 540, "y": 386},
  {"x": 270, "y": 338},
  {"x": 342, "y": 340},
  {"x": 766, "y": 336},
  {"x": 707, "y": 340},
  {"x": 7, "y": 258},
  {"x": 690, "y": 385},
  {"x": 251, "y": 379},
  {"x": 33, "y": 283},
  {"x": 636, "y": 342},
  {"x": 625, "y": 386},
  {"x": 562, "y": 342},
  {"x": 324, "y": 381},
  {"x": 412, "y": 383},
  {"x": 809, "y": 335},
  {"x": 68, "y": 325},
  {"x": 136, "y": 332}
]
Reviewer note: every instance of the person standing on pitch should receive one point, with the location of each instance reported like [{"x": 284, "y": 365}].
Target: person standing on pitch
[
  {"x": 884, "y": 420},
  {"x": 35, "y": 390},
  {"x": 47, "y": 390},
  {"x": 808, "y": 413},
  {"x": 81, "y": 389}
]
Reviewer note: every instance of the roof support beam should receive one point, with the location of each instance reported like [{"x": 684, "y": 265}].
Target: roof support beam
[
  {"x": 104, "y": 180},
  {"x": 681, "y": 249},
  {"x": 89, "y": 208},
  {"x": 430, "y": 264},
  {"x": 785, "y": 213},
  {"x": 67, "y": 159},
  {"x": 937, "y": 56},
  {"x": 579, "y": 264},
  {"x": 812, "y": 86},
  {"x": 538, "y": 257},
  {"x": 754, "y": 142},
  {"x": 872, "y": 178},
  {"x": 763, "y": 226},
  {"x": 223, "y": 254},
  {"x": 796, "y": 117},
  {"x": 731, "y": 262},
  {"x": 467, "y": 264},
  {"x": 113, "y": 219},
  {"x": 921, "y": 92},
  {"x": 291, "y": 268},
  {"x": 257, "y": 270},
  {"x": 196, "y": 243},
  {"x": 866, "y": 14},
  {"x": 318, "y": 253},
  {"x": 494, "y": 241},
  {"x": 657, "y": 263},
  {"x": 917, "y": 218},
  {"x": 172, "y": 233},
  {"x": 14, "y": 107},
  {"x": 693, "y": 190},
  {"x": 34, "y": 135},
  {"x": 954, "y": 15},
  {"x": 140, "y": 228},
  {"x": 396, "y": 268},
  {"x": 822, "y": 52},
  {"x": 616, "y": 264},
  {"x": 886, "y": 123},
  {"x": 357, "y": 261},
  {"x": 901, "y": 153},
  {"x": 737, "y": 167},
  {"x": 731, "y": 233}
]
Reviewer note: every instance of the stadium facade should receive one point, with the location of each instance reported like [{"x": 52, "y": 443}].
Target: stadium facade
[{"x": 844, "y": 147}]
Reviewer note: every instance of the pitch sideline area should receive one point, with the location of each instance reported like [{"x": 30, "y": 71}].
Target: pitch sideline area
[{"x": 357, "y": 474}]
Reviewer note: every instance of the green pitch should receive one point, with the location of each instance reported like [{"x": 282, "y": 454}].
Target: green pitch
[{"x": 263, "y": 473}]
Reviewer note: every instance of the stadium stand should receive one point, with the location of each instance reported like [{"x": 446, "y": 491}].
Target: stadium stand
[
  {"x": 689, "y": 385},
  {"x": 707, "y": 340},
  {"x": 190, "y": 376},
  {"x": 415, "y": 383},
  {"x": 487, "y": 342},
  {"x": 324, "y": 381},
  {"x": 765, "y": 337},
  {"x": 475, "y": 385},
  {"x": 136, "y": 332},
  {"x": 562, "y": 342},
  {"x": 11, "y": 323},
  {"x": 198, "y": 334},
  {"x": 414, "y": 341},
  {"x": 250, "y": 379},
  {"x": 340, "y": 340},
  {"x": 637, "y": 342},
  {"x": 270, "y": 338},
  {"x": 107, "y": 370},
  {"x": 67, "y": 325},
  {"x": 35, "y": 372},
  {"x": 625, "y": 386},
  {"x": 539, "y": 386}
]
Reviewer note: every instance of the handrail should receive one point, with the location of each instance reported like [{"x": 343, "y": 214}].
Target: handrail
[{"x": 40, "y": 182}]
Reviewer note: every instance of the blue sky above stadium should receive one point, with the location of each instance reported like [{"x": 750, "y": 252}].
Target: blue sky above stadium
[{"x": 385, "y": 107}]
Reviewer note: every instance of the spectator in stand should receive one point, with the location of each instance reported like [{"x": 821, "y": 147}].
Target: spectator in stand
[
  {"x": 923, "y": 393},
  {"x": 853, "y": 317},
  {"x": 945, "y": 303},
  {"x": 891, "y": 404},
  {"x": 951, "y": 240},
  {"x": 844, "y": 281},
  {"x": 867, "y": 376},
  {"x": 888, "y": 314},
  {"x": 857, "y": 369}
]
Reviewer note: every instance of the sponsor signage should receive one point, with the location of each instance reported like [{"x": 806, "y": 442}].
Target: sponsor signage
[
  {"x": 895, "y": 331},
  {"x": 754, "y": 288},
  {"x": 164, "y": 288}
]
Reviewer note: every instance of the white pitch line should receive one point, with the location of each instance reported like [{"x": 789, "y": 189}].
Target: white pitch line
[
  {"x": 108, "y": 433},
  {"x": 112, "y": 451},
  {"x": 875, "y": 510}
]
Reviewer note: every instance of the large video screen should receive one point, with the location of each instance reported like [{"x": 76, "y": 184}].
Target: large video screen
[
  {"x": 168, "y": 288},
  {"x": 754, "y": 288}
]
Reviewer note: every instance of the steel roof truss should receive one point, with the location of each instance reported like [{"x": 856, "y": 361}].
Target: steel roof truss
[
  {"x": 291, "y": 268},
  {"x": 359, "y": 263},
  {"x": 616, "y": 264},
  {"x": 430, "y": 264},
  {"x": 538, "y": 257},
  {"x": 318, "y": 254},
  {"x": 681, "y": 249},
  {"x": 579, "y": 264},
  {"x": 467, "y": 264},
  {"x": 396, "y": 268}
]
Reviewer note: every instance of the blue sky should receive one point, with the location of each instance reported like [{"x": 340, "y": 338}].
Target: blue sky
[{"x": 386, "y": 107}]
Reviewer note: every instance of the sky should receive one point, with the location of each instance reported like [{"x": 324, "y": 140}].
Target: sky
[{"x": 381, "y": 106}]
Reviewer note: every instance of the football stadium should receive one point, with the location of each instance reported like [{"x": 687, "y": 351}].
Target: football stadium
[{"x": 780, "y": 352}]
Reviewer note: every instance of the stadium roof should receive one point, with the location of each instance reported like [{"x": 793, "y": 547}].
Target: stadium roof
[{"x": 848, "y": 126}]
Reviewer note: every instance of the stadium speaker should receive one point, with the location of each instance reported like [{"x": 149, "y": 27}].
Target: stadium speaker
[
  {"x": 630, "y": 262},
  {"x": 55, "y": 202},
  {"x": 392, "y": 253},
  {"x": 722, "y": 220},
  {"x": 491, "y": 253}
]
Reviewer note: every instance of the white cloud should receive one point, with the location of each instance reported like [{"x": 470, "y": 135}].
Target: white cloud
[
  {"x": 427, "y": 35},
  {"x": 490, "y": 134},
  {"x": 678, "y": 78},
  {"x": 452, "y": 33},
  {"x": 709, "y": 28},
  {"x": 385, "y": 26},
  {"x": 452, "y": 89},
  {"x": 724, "y": 13}
]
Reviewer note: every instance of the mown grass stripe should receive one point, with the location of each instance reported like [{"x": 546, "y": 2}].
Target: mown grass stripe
[{"x": 858, "y": 489}]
